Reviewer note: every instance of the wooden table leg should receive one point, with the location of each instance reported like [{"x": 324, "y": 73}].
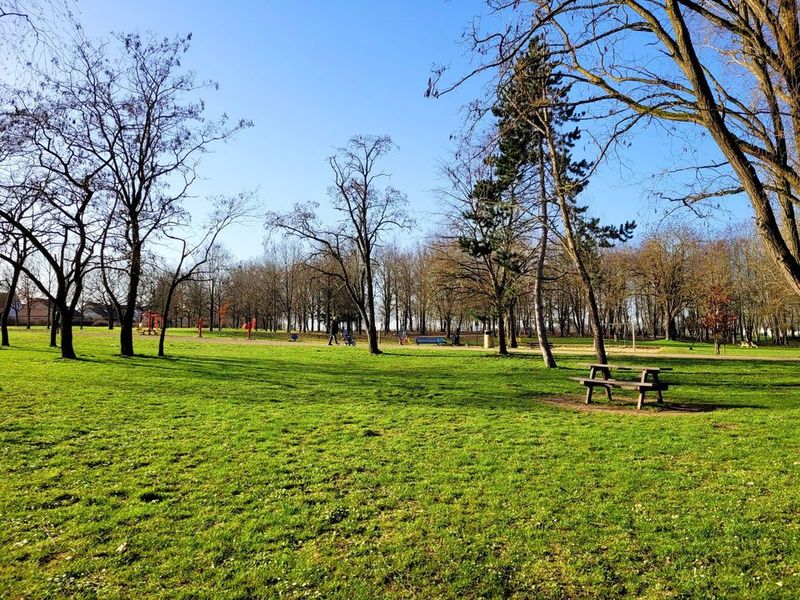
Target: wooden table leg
[
  {"x": 607, "y": 375},
  {"x": 658, "y": 390},
  {"x": 642, "y": 379},
  {"x": 590, "y": 387}
]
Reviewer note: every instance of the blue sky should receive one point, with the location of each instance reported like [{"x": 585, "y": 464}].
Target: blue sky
[{"x": 312, "y": 74}]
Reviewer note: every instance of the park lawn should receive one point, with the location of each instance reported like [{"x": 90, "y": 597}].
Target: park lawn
[
  {"x": 231, "y": 470},
  {"x": 571, "y": 345}
]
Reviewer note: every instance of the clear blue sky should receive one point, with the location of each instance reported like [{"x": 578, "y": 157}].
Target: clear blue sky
[{"x": 311, "y": 74}]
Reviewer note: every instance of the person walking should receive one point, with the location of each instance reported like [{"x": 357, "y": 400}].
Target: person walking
[{"x": 334, "y": 330}]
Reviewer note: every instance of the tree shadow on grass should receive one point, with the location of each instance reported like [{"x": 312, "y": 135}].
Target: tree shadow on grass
[
  {"x": 627, "y": 406},
  {"x": 333, "y": 383},
  {"x": 702, "y": 407},
  {"x": 440, "y": 384}
]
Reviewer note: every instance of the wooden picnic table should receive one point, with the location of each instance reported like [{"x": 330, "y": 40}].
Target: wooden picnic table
[{"x": 600, "y": 375}]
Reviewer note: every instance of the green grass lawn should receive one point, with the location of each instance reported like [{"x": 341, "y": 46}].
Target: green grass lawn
[
  {"x": 233, "y": 470},
  {"x": 567, "y": 344}
]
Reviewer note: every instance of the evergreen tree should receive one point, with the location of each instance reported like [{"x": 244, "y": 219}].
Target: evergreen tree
[{"x": 541, "y": 98}]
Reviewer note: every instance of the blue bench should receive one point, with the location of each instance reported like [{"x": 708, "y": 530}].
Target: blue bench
[{"x": 438, "y": 340}]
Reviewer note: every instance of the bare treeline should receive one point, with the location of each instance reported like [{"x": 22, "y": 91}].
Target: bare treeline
[
  {"x": 97, "y": 160},
  {"x": 98, "y": 156},
  {"x": 673, "y": 284}
]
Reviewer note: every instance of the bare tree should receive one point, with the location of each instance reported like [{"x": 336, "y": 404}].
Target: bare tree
[
  {"x": 216, "y": 274},
  {"x": 142, "y": 118},
  {"x": 227, "y": 211},
  {"x": 665, "y": 269},
  {"x": 366, "y": 212},
  {"x": 62, "y": 234},
  {"x": 18, "y": 251}
]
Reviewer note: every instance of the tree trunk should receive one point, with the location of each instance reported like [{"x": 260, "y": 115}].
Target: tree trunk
[
  {"x": 541, "y": 330},
  {"x": 501, "y": 330},
  {"x": 597, "y": 330},
  {"x": 167, "y": 305},
  {"x": 670, "y": 330},
  {"x": 54, "y": 324},
  {"x": 512, "y": 324},
  {"x": 65, "y": 316},
  {"x": 210, "y": 309},
  {"x": 538, "y": 307},
  {"x": 12, "y": 290},
  {"x": 369, "y": 317},
  {"x": 574, "y": 251},
  {"x": 387, "y": 305},
  {"x": 127, "y": 317}
]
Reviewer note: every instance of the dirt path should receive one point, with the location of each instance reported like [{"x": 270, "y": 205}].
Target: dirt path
[
  {"x": 649, "y": 354},
  {"x": 559, "y": 351}
]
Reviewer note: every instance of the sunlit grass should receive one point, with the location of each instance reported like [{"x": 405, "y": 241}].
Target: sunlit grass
[{"x": 258, "y": 470}]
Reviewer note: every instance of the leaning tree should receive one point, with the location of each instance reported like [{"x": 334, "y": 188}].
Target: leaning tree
[{"x": 196, "y": 253}]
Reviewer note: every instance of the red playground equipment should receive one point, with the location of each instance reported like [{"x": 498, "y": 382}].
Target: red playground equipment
[
  {"x": 249, "y": 326},
  {"x": 149, "y": 323}
]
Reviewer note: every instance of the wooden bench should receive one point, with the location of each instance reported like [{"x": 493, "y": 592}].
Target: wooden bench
[
  {"x": 427, "y": 339},
  {"x": 606, "y": 382},
  {"x": 535, "y": 345}
]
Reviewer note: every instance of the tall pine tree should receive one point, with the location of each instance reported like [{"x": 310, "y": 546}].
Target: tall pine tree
[{"x": 541, "y": 99}]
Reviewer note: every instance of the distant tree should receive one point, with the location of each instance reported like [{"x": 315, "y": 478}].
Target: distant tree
[
  {"x": 217, "y": 274},
  {"x": 718, "y": 314},
  {"x": 26, "y": 290},
  {"x": 195, "y": 255},
  {"x": 666, "y": 267},
  {"x": 387, "y": 262},
  {"x": 18, "y": 252},
  {"x": 367, "y": 213}
]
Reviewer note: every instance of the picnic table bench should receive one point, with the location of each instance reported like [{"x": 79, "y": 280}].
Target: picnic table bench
[
  {"x": 431, "y": 339},
  {"x": 600, "y": 375}
]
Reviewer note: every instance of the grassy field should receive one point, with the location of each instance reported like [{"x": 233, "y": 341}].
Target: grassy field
[{"x": 235, "y": 470}]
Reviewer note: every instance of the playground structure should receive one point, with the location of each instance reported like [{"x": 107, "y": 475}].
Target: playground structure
[
  {"x": 249, "y": 327},
  {"x": 150, "y": 323}
]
